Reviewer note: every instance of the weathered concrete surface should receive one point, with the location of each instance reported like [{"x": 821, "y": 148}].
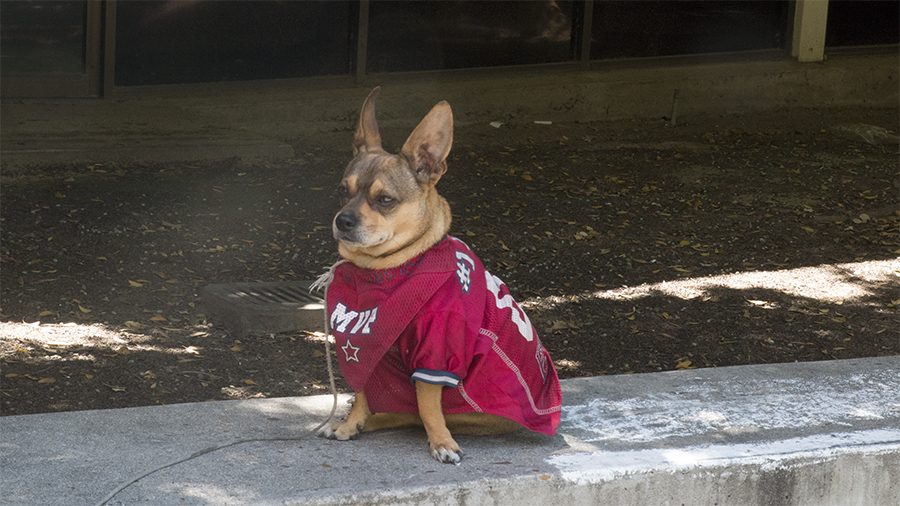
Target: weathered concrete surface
[
  {"x": 813, "y": 433},
  {"x": 275, "y": 119}
]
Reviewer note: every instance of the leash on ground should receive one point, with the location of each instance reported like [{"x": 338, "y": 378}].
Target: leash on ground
[{"x": 321, "y": 283}]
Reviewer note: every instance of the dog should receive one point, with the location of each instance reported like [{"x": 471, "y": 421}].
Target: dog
[{"x": 425, "y": 336}]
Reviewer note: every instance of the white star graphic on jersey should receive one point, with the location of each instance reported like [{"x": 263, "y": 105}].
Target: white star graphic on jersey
[{"x": 351, "y": 352}]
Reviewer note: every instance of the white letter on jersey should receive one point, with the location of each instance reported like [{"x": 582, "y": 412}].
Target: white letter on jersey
[
  {"x": 518, "y": 316},
  {"x": 340, "y": 318},
  {"x": 373, "y": 313}
]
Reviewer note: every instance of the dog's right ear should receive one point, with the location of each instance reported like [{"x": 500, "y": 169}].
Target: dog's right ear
[
  {"x": 429, "y": 144},
  {"x": 367, "y": 137}
]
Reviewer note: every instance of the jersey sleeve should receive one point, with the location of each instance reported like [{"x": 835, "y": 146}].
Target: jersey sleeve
[{"x": 438, "y": 351}]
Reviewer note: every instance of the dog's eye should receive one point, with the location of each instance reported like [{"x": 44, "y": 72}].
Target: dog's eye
[
  {"x": 343, "y": 192},
  {"x": 384, "y": 200}
]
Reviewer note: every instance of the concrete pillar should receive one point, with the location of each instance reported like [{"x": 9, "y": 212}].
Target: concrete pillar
[{"x": 808, "y": 40}]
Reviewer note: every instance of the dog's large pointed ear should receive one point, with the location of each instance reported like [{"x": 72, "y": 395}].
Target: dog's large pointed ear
[
  {"x": 429, "y": 144},
  {"x": 367, "y": 137}
]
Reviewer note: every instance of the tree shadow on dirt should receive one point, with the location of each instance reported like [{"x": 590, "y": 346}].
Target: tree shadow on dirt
[
  {"x": 604, "y": 332},
  {"x": 75, "y": 366},
  {"x": 563, "y": 214}
]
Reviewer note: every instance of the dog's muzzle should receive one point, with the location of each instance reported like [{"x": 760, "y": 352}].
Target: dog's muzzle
[{"x": 346, "y": 222}]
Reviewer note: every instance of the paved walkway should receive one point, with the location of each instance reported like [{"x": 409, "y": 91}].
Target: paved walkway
[{"x": 811, "y": 433}]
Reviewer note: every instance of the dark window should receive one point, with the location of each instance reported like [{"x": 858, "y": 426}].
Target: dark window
[
  {"x": 863, "y": 22},
  {"x": 623, "y": 29},
  {"x": 427, "y": 35},
  {"x": 178, "y": 42},
  {"x": 44, "y": 37}
]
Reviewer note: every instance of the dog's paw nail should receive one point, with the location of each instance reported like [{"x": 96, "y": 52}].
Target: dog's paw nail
[{"x": 446, "y": 456}]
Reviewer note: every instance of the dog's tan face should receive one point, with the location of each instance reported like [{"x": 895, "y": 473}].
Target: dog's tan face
[
  {"x": 383, "y": 206},
  {"x": 390, "y": 207}
]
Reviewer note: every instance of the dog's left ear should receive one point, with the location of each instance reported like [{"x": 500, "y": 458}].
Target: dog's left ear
[
  {"x": 429, "y": 144},
  {"x": 367, "y": 137}
]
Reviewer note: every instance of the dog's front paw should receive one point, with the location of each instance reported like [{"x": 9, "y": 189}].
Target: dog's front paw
[
  {"x": 446, "y": 451},
  {"x": 342, "y": 431}
]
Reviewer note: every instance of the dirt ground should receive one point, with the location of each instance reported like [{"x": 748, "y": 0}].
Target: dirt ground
[{"x": 635, "y": 247}]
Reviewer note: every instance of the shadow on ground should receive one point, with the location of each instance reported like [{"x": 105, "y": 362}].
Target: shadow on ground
[{"x": 737, "y": 240}]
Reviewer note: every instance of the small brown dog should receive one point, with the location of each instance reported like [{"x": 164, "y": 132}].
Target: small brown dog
[{"x": 425, "y": 335}]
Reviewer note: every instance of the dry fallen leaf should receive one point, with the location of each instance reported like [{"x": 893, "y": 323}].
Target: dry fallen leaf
[
  {"x": 563, "y": 325},
  {"x": 684, "y": 364},
  {"x": 863, "y": 218}
]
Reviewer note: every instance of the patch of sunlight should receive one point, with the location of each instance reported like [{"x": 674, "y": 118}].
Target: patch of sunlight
[
  {"x": 710, "y": 416},
  {"x": 206, "y": 493},
  {"x": 66, "y": 335},
  {"x": 836, "y": 283},
  {"x": 318, "y": 337},
  {"x": 569, "y": 365},
  {"x": 318, "y": 404},
  {"x": 683, "y": 458}
]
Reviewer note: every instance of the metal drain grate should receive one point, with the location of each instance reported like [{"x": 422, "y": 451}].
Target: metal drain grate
[
  {"x": 289, "y": 295},
  {"x": 262, "y": 308}
]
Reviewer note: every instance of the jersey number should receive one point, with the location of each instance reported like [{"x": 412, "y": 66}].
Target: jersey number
[{"x": 518, "y": 317}]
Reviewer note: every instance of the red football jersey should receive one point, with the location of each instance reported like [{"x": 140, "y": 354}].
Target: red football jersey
[{"x": 442, "y": 318}]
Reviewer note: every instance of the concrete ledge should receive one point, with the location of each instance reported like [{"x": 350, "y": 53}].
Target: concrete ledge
[
  {"x": 103, "y": 148},
  {"x": 812, "y": 433}
]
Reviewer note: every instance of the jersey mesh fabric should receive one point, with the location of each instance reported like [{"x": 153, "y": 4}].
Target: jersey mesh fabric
[{"x": 440, "y": 319}]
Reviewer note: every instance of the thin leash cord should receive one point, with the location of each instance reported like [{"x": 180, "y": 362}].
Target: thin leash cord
[{"x": 200, "y": 453}]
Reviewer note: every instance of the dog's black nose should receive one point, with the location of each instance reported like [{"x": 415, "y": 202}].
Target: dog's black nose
[{"x": 346, "y": 221}]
